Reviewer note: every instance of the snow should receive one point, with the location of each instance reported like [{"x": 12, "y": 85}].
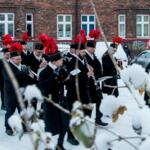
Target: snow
[
  {"x": 134, "y": 116},
  {"x": 136, "y": 75},
  {"x": 122, "y": 127},
  {"x": 101, "y": 48},
  {"x": 31, "y": 92},
  {"x": 15, "y": 123}
]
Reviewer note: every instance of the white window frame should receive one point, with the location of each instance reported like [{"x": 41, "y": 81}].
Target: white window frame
[
  {"x": 88, "y": 23},
  {"x": 121, "y": 23},
  {"x": 30, "y": 22},
  {"x": 64, "y": 23},
  {"x": 6, "y": 22},
  {"x": 142, "y": 23}
]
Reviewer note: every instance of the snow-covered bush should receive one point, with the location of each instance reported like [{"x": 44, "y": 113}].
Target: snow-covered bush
[
  {"x": 82, "y": 127},
  {"x": 141, "y": 121},
  {"x": 145, "y": 145},
  {"x": 15, "y": 122},
  {"x": 31, "y": 92},
  {"x": 38, "y": 126},
  {"x": 102, "y": 141},
  {"x": 135, "y": 75},
  {"x": 111, "y": 107}
]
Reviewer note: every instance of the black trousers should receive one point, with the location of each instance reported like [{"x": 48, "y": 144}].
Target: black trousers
[{"x": 11, "y": 106}]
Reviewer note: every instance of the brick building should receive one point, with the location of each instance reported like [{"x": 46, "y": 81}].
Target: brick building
[{"x": 63, "y": 19}]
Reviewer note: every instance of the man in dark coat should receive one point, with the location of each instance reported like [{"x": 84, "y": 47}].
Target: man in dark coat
[
  {"x": 36, "y": 60},
  {"x": 51, "y": 82},
  {"x": 94, "y": 87},
  {"x": 6, "y": 56},
  {"x": 24, "y": 78},
  {"x": 109, "y": 86},
  {"x": 25, "y": 53},
  {"x": 78, "y": 87}
]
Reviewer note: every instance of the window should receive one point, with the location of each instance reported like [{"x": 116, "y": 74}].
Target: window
[
  {"x": 7, "y": 24},
  {"x": 142, "y": 26},
  {"x": 122, "y": 25},
  {"x": 29, "y": 24},
  {"x": 64, "y": 27},
  {"x": 87, "y": 23}
]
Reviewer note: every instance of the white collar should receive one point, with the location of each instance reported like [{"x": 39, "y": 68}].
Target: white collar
[
  {"x": 91, "y": 55},
  {"x": 18, "y": 67},
  {"x": 72, "y": 54},
  {"x": 52, "y": 66},
  {"x": 38, "y": 58},
  {"x": 25, "y": 52},
  {"x": 82, "y": 60}
]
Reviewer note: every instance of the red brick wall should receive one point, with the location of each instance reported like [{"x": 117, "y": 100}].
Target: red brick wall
[{"x": 45, "y": 12}]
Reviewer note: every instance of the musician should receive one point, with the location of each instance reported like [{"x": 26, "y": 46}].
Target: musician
[
  {"x": 77, "y": 67},
  {"x": 72, "y": 50},
  {"x": 95, "y": 91},
  {"x": 36, "y": 60},
  {"x": 110, "y": 86},
  {"x": 51, "y": 81},
  {"x": 25, "y": 53},
  {"x": 23, "y": 77}
]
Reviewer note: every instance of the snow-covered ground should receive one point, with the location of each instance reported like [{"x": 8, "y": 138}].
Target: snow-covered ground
[{"x": 122, "y": 127}]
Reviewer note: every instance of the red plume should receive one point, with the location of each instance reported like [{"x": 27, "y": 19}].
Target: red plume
[
  {"x": 95, "y": 34},
  {"x": 7, "y": 40},
  {"x": 25, "y": 36},
  {"x": 81, "y": 38},
  {"x": 117, "y": 40},
  {"x": 43, "y": 38},
  {"x": 51, "y": 46},
  {"x": 16, "y": 47}
]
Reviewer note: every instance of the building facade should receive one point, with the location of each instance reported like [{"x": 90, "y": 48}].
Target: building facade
[{"x": 63, "y": 19}]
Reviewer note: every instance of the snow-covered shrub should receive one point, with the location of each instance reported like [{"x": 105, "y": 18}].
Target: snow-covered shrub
[
  {"x": 82, "y": 127},
  {"x": 46, "y": 137},
  {"x": 29, "y": 111},
  {"x": 38, "y": 126},
  {"x": 102, "y": 141},
  {"x": 136, "y": 75},
  {"x": 111, "y": 107},
  {"x": 145, "y": 145},
  {"x": 15, "y": 123},
  {"x": 141, "y": 119},
  {"x": 31, "y": 92},
  {"x": 43, "y": 139}
]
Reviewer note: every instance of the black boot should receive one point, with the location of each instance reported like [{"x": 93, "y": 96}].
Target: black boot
[
  {"x": 100, "y": 122},
  {"x": 9, "y": 132}
]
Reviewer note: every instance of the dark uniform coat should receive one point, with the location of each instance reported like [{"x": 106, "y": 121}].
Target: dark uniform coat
[
  {"x": 95, "y": 63},
  {"x": 82, "y": 82},
  {"x": 50, "y": 83},
  {"x": 95, "y": 91},
  {"x": 94, "y": 88},
  {"x": 109, "y": 70},
  {"x": 9, "y": 94},
  {"x": 24, "y": 57},
  {"x": 33, "y": 62}
]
